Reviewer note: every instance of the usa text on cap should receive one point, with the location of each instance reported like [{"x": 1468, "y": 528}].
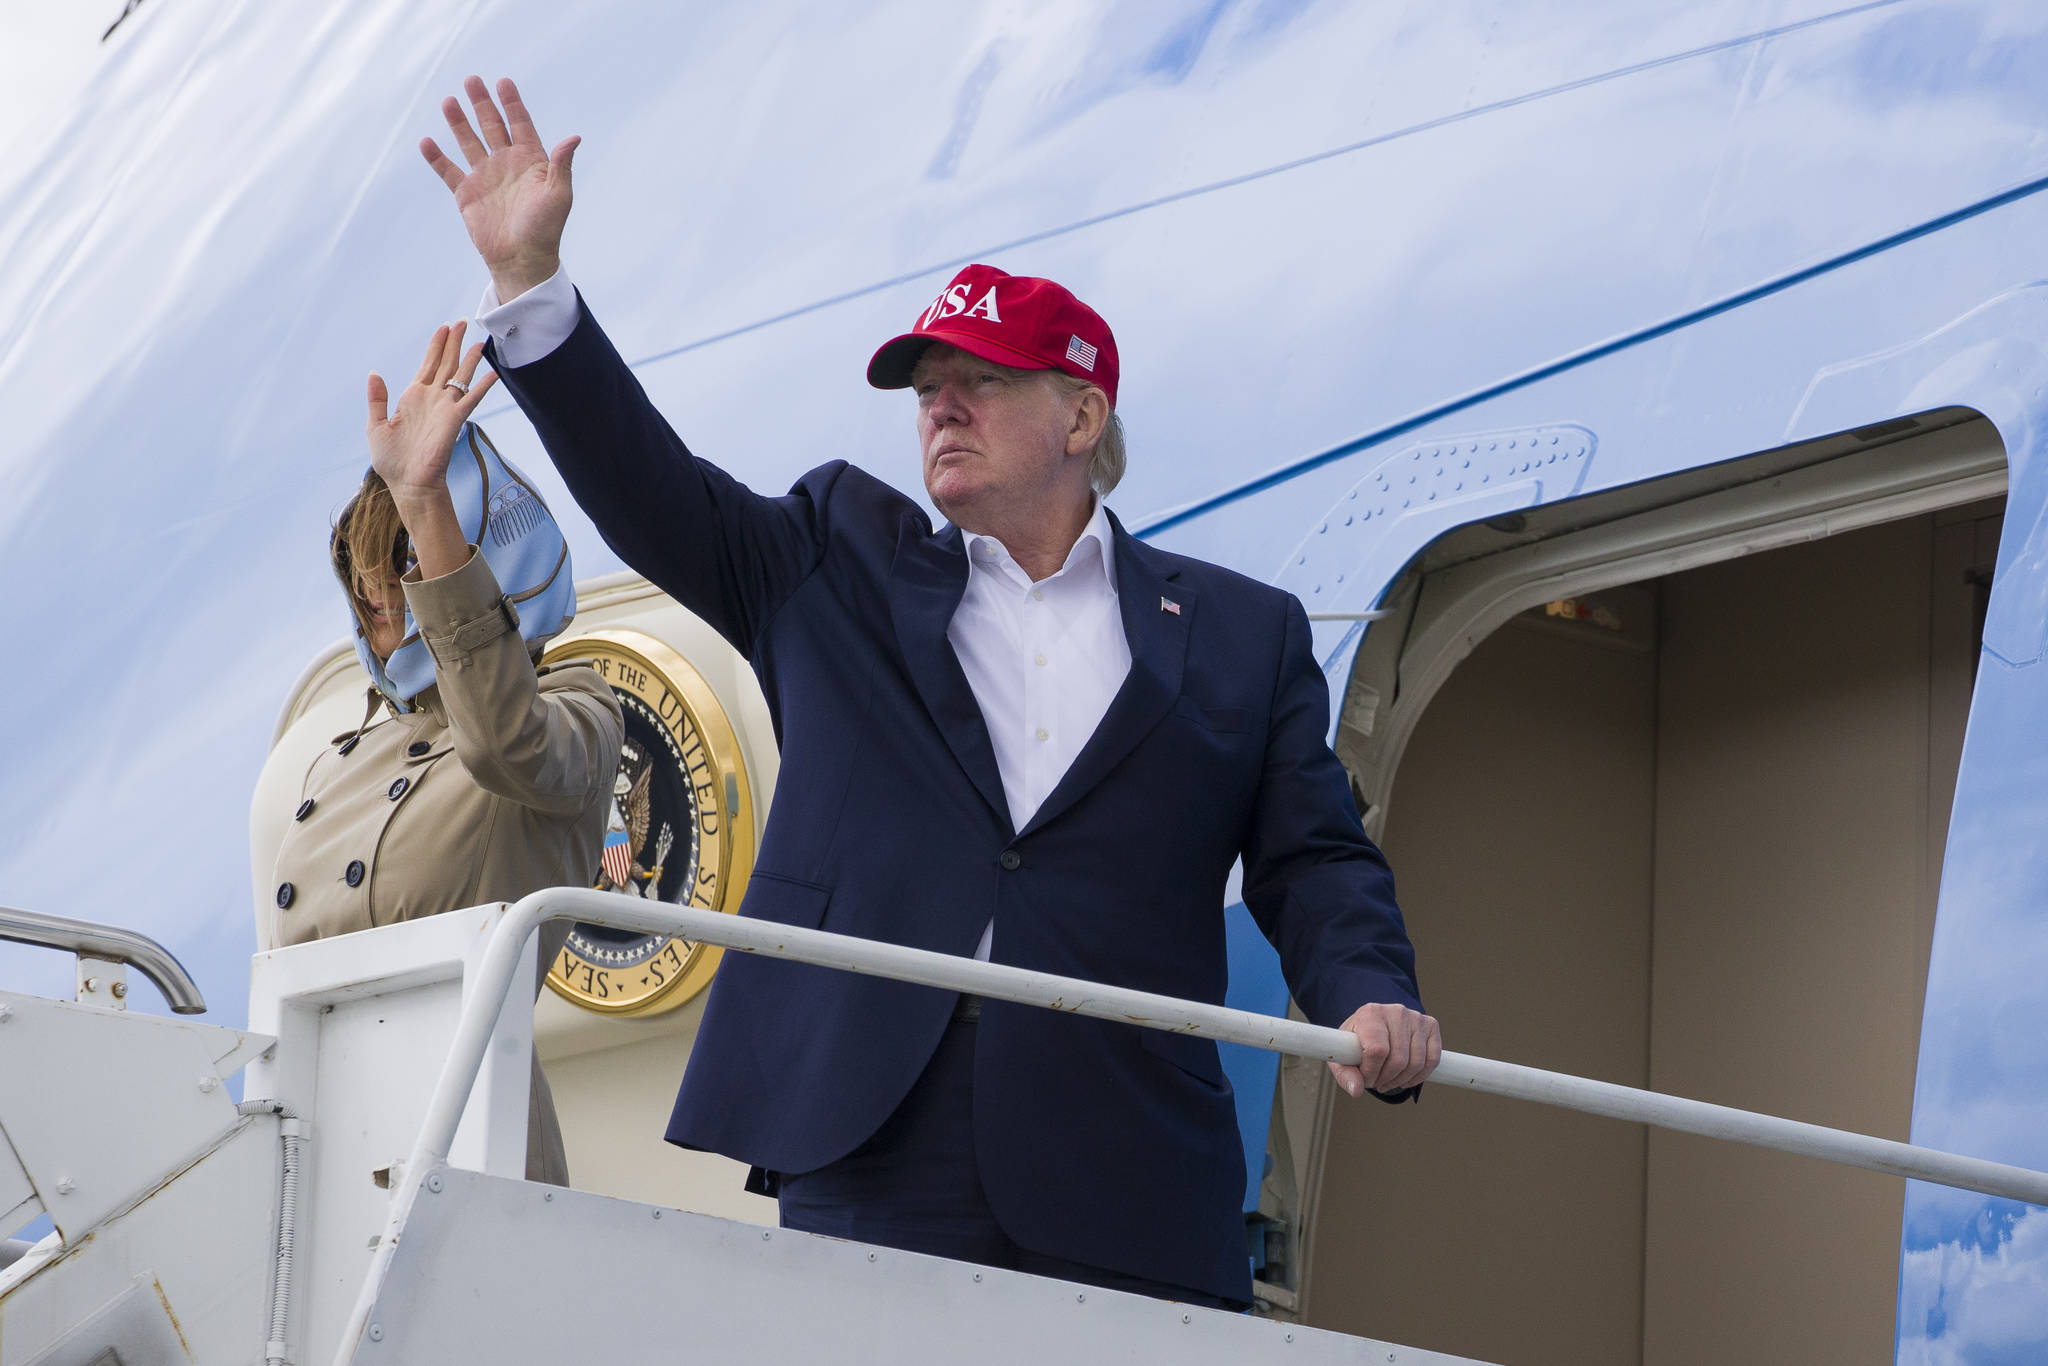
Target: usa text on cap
[{"x": 1016, "y": 320}]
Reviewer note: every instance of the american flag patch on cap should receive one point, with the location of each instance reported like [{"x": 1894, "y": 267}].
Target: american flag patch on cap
[{"x": 1081, "y": 354}]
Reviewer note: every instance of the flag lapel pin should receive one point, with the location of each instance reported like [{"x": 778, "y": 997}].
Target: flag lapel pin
[{"x": 1169, "y": 605}]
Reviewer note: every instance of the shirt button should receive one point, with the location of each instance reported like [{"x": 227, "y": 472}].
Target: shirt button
[
  {"x": 1043, "y": 734},
  {"x": 1040, "y": 661},
  {"x": 397, "y": 788},
  {"x": 305, "y": 810},
  {"x": 350, "y": 743},
  {"x": 1011, "y": 860},
  {"x": 1038, "y": 595},
  {"x": 353, "y": 876},
  {"x": 285, "y": 892},
  {"x": 417, "y": 748}
]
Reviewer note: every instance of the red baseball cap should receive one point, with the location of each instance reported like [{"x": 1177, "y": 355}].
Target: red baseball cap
[{"x": 1016, "y": 320}]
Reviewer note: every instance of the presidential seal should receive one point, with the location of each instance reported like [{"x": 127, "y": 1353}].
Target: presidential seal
[{"x": 681, "y": 827}]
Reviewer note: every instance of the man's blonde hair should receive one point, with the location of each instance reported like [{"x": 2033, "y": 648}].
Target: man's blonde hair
[{"x": 1106, "y": 466}]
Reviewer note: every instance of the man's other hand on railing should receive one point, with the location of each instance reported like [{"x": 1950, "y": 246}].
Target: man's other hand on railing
[{"x": 1398, "y": 1046}]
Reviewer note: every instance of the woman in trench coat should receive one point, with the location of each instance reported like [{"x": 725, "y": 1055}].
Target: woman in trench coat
[{"x": 484, "y": 778}]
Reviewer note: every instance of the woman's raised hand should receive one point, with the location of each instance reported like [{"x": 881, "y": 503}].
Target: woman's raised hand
[
  {"x": 515, "y": 196},
  {"x": 410, "y": 447}
]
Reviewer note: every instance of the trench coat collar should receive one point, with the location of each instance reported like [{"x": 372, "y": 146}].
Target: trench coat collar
[{"x": 427, "y": 709}]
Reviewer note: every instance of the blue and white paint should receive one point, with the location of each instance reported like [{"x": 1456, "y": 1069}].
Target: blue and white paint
[{"x": 1343, "y": 246}]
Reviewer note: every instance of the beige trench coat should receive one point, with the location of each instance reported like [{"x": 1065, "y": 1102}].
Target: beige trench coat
[{"x": 496, "y": 784}]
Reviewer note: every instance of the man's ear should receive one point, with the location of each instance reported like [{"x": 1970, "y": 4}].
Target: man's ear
[{"x": 1091, "y": 415}]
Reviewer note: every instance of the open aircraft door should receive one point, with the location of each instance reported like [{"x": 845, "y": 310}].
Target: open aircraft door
[{"x": 1665, "y": 774}]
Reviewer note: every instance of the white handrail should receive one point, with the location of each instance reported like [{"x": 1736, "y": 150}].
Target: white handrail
[{"x": 486, "y": 998}]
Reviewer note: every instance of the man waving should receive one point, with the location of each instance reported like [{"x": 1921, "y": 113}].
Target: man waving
[{"x": 1081, "y": 734}]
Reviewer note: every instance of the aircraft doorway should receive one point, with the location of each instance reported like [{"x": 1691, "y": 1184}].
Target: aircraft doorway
[{"x": 1682, "y": 832}]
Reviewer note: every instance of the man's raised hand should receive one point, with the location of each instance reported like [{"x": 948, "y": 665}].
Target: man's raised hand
[{"x": 515, "y": 196}]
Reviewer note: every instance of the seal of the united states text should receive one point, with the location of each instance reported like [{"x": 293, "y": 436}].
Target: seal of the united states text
[{"x": 680, "y": 829}]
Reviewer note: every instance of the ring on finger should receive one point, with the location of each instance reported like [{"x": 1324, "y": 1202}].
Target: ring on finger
[{"x": 457, "y": 387}]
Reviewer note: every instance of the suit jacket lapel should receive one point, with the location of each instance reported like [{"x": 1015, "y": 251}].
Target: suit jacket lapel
[
  {"x": 1157, "y": 612},
  {"x": 926, "y": 582}
]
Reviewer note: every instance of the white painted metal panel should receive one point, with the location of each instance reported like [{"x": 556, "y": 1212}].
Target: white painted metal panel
[
  {"x": 181, "y": 1277},
  {"x": 364, "y": 1023},
  {"x": 234, "y": 1049},
  {"x": 18, "y": 1203},
  {"x": 71, "y": 1078},
  {"x": 675, "y": 1286},
  {"x": 295, "y": 994},
  {"x": 135, "y": 1328},
  {"x": 378, "y": 1058}
]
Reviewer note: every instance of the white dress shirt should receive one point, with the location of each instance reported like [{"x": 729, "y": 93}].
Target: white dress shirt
[
  {"x": 532, "y": 325},
  {"x": 1044, "y": 659}
]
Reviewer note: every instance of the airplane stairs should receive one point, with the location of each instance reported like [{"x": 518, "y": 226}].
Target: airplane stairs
[{"x": 288, "y": 1228}]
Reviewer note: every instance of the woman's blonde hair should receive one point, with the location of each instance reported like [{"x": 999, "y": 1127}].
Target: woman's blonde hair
[{"x": 368, "y": 535}]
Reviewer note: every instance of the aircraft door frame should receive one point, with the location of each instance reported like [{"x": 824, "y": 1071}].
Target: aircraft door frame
[{"x": 1469, "y": 581}]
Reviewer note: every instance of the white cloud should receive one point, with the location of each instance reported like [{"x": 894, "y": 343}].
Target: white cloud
[{"x": 1961, "y": 1304}]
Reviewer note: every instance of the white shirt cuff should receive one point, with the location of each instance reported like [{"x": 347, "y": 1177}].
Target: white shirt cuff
[{"x": 532, "y": 325}]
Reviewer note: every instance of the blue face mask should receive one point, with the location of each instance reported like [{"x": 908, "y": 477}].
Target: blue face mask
[{"x": 503, "y": 516}]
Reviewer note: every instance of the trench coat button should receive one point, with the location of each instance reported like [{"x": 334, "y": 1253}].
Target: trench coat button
[
  {"x": 417, "y": 748},
  {"x": 305, "y": 810},
  {"x": 397, "y": 788},
  {"x": 350, "y": 743},
  {"x": 1011, "y": 860},
  {"x": 284, "y": 895},
  {"x": 354, "y": 876}
]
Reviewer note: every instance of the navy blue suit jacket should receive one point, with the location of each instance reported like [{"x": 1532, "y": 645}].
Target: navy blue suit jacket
[{"x": 1097, "y": 1142}]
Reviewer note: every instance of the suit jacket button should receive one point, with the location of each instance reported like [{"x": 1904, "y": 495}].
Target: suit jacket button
[
  {"x": 350, "y": 743},
  {"x": 284, "y": 895},
  {"x": 354, "y": 876},
  {"x": 1011, "y": 860},
  {"x": 417, "y": 748},
  {"x": 305, "y": 810},
  {"x": 397, "y": 788}
]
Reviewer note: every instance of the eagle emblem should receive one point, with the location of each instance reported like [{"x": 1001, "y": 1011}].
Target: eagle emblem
[
  {"x": 623, "y": 866},
  {"x": 678, "y": 828}
]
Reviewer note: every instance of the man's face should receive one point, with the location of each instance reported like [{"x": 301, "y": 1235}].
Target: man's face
[{"x": 992, "y": 438}]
